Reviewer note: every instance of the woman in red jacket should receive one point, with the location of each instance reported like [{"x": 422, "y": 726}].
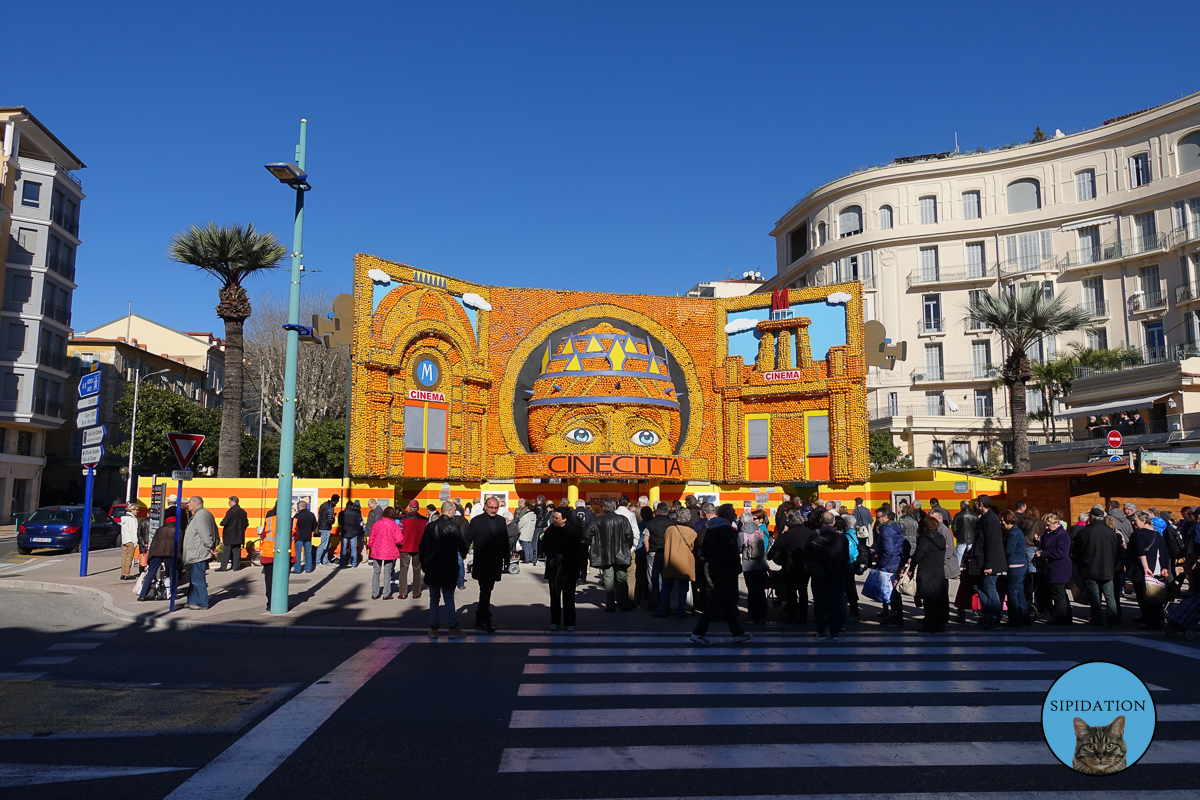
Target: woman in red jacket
[{"x": 383, "y": 546}]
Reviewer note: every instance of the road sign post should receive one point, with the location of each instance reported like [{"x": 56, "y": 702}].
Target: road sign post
[
  {"x": 184, "y": 446},
  {"x": 93, "y": 452}
]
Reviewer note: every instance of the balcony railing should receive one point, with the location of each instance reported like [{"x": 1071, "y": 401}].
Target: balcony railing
[
  {"x": 1021, "y": 265},
  {"x": 970, "y": 272},
  {"x": 56, "y": 312},
  {"x": 970, "y": 372},
  {"x": 62, "y": 266},
  {"x": 1187, "y": 293},
  {"x": 1150, "y": 298},
  {"x": 1096, "y": 310},
  {"x": 1146, "y": 243},
  {"x": 1184, "y": 234},
  {"x": 66, "y": 222},
  {"x": 48, "y": 358},
  {"x": 48, "y": 407},
  {"x": 933, "y": 325}
]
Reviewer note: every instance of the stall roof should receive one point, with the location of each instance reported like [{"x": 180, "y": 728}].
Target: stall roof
[{"x": 1074, "y": 470}]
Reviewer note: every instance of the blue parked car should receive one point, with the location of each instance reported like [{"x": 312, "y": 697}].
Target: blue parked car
[{"x": 61, "y": 528}]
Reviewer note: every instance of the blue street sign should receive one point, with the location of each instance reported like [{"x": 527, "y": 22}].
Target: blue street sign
[
  {"x": 89, "y": 384},
  {"x": 1116, "y": 458}
]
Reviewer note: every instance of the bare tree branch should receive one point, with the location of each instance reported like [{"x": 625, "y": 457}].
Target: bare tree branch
[{"x": 320, "y": 373}]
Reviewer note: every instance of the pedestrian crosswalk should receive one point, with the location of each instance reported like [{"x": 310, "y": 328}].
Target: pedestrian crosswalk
[{"x": 720, "y": 711}]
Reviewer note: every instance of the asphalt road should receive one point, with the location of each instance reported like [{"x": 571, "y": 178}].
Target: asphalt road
[{"x": 89, "y": 708}]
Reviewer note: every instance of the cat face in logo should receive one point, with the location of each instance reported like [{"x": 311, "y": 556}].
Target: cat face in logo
[{"x": 1099, "y": 750}]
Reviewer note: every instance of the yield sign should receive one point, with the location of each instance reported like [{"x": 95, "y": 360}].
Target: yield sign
[{"x": 185, "y": 446}]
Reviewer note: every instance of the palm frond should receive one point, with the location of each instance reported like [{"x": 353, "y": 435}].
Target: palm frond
[
  {"x": 1022, "y": 317},
  {"x": 230, "y": 253}
]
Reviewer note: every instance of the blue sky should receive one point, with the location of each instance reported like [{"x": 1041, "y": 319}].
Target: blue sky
[{"x": 623, "y": 146}]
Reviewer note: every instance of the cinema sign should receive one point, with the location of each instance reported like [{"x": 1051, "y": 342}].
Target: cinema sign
[{"x": 605, "y": 465}]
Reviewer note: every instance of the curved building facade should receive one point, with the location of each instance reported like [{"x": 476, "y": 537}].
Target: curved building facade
[{"x": 1109, "y": 217}]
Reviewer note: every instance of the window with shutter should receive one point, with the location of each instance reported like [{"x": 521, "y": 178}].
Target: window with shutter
[
  {"x": 1085, "y": 185},
  {"x": 1010, "y": 248},
  {"x": 928, "y": 206},
  {"x": 1047, "y": 245},
  {"x": 850, "y": 222},
  {"x": 1189, "y": 152},
  {"x": 1179, "y": 215},
  {"x": 971, "y": 208},
  {"x": 1024, "y": 195},
  {"x": 938, "y": 455},
  {"x": 975, "y": 267},
  {"x": 1139, "y": 170},
  {"x": 885, "y": 217},
  {"x": 929, "y": 264},
  {"x": 1027, "y": 251},
  {"x": 1089, "y": 244}
]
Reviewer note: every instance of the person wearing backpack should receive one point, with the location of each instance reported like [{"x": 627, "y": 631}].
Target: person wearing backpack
[
  {"x": 855, "y": 561},
  {"x": 827, "y": 557},
  {"x": 755, "y": 570},
  {"x": 724, "y": 559},
  {"x": 788, "y": 553}
]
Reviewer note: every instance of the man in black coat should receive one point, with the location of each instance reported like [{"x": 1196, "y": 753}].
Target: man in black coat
[
  {"x": 233, "y": 535},
  {"x": 439, "y": 549},
  {"x": 1097, "y": 551},
  {"x": 304, "y": 525},
  {"x": 610, "y": 541},
  {"x": 987, "y": 561},
  {"x": 656, "y": 542},
  {"x": 723, "y": 554},
  {"x": 827, "y": 557},
  {"x": 488, "y": 534},
  {"x": 788, "y": 553}
]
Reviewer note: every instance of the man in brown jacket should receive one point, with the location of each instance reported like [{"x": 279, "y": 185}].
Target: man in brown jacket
[{"x": 679, "y": 562}]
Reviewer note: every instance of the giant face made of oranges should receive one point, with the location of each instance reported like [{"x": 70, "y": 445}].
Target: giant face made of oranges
[{"x": 604, "y": 391}]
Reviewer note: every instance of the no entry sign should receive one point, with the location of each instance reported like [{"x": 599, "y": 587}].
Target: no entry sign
[{"x": 1115, "y": 438}]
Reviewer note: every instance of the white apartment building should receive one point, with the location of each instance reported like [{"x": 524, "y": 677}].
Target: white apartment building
[
  {"x": 1109, "y": 217},
  {"x": 39, "y": 235}
]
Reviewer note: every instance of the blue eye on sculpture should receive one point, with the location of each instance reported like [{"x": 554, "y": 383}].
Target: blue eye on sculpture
[
  {"x": 581, "y": 435},
  {"x": 645, "y": 438}
]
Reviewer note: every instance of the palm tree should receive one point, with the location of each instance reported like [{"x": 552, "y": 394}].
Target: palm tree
[
  {"x": 1021, "y": 318},
  {"x": 230, "y": 254}
]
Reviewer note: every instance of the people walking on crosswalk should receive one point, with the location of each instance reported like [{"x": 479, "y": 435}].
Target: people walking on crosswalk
[
  {"x": 724, "y": 558},
  {"x": 788, "y": 553},
  {"x": 893, "y": 553},
  {"x": 755, "y": 569},
  {"x": 488, "y": 534},
  {"x": 987, "y": 561},
  {"x": 440, "y": 548},
  {"x": 566, "y": 558}
]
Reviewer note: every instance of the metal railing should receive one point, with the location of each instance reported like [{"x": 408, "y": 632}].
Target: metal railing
[
  {"x": 971, "y": 372},
  {"x": 48, "y": 407},
  {"x": 62, "y": 266},
  {"x": 940, "y": 274},
  {"x": 1187, "y": 293},
  {"x": 933, "y": 325},
  {"x": 66, "y": 222},
  {"x": 1149, "y": 299},
  {"x": 1096, "y": 310},
  {"x": 1184, "y": 234},
  {"x": 1146, "y": 243},
  {"x": 974, "y": 324},
  {"x": 56, "y": 312},
  {"x": 1018, "y": 266},
  {"x": 48, "y": 358}
]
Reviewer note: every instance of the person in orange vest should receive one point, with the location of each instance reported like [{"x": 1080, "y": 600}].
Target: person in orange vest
[{"x": 267, "y": 553}]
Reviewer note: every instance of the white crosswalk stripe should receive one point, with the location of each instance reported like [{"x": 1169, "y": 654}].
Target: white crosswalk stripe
[{"x": 957, "y": 680}]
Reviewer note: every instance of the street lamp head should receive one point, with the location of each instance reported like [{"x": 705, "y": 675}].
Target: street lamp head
[{"x": 289, "y": 173}]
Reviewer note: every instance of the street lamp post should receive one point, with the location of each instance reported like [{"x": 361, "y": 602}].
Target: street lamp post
[
  {"x": 293, "y": 175},
  {"x": 133, "y": 431}
]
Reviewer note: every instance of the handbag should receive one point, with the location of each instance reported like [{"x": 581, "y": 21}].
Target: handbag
[
  {"x": 554, "y": 570},
  {"x": 908, "y": 583},
  {"x": 878, "y": 586}
]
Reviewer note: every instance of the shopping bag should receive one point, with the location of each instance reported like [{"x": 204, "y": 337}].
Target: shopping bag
[
  {"x": 137, "y": 585},
  {"x": 908, "y": 583},
  {"x": 878, "y": 586}
]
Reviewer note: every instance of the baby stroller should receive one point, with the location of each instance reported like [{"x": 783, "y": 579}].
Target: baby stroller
[{"x": 1182, "y": 616}]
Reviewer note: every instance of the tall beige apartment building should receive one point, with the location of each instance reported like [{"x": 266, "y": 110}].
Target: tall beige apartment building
[{"x": 1108, "y": 218}]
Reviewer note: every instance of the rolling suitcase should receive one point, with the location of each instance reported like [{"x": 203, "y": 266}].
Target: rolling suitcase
[{"x": 1183, "y": 616}]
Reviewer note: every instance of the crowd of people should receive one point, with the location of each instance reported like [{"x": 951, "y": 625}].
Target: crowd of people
[{"x": 1013, "y": 567}]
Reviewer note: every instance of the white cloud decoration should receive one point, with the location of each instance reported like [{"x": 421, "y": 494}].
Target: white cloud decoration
[
  {"x": 740, "y": 326},
  {"x": 379, "y": 276},
  {"x": 475, "y": 301},
  {"x": 838, "y": 298}
]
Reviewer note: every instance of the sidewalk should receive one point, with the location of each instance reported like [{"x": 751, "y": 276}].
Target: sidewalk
[{"x": 335, "y": 600}]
